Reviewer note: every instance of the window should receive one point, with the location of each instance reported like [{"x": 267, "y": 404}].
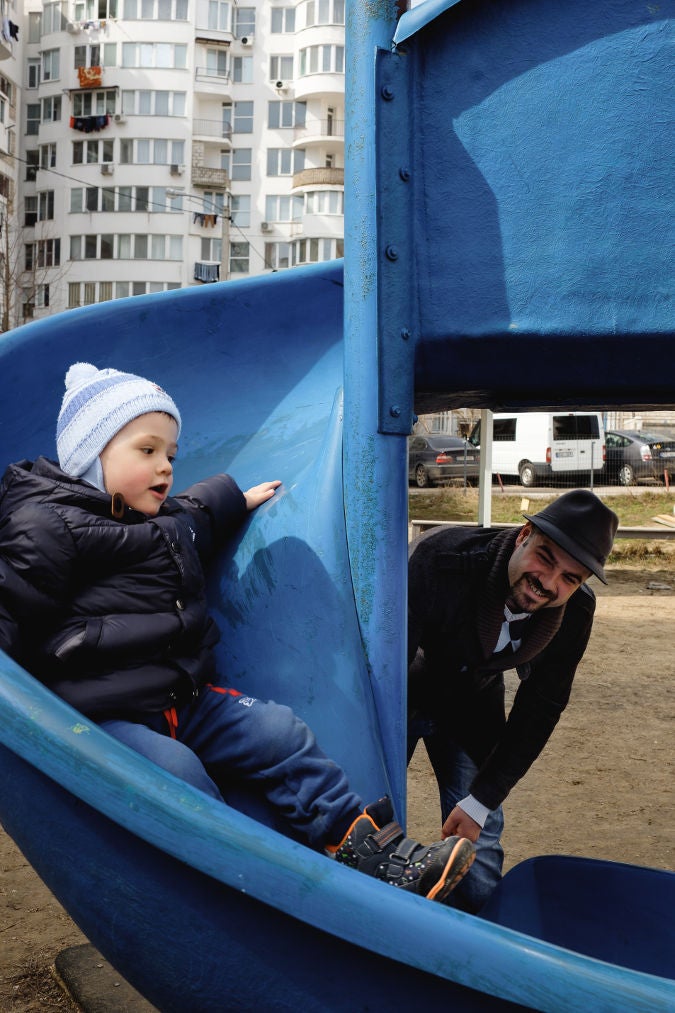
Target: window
[
  {"x": 241, "y": 163},
  {"x": 30, "y": 209},
  {"x": 151, "y": 151},
  {"x": 47, "y": 156},
  {"x": 45, "y": 205},
  {"x": 239, "y": 258},
  {"x": 283, "y": 208},
  {"x": 32, "y": 164},
  {"x": 92, "y": 152},
  {"x": 94, "y": 10},
  {"x": 324, "y": 202},
  {"x": 324, "y": 12},
  {"x": 53, "y": 18},
  {"x": 51, "y": 109},
  {"x": 42, "y": 296},
  {"x": 322, "y": 60},
  {"x": 33, "y": 118},
  {"x": 154, "y": 55},
  {"x": 242, "y": 69},
  {"x": 73, "y": 294},
  {"x": 244, "y": 18},
  {"x": 575, "y": 427},
  {"x": 211, "y": 249},
  {"x": 48, "y": 253},
  {"x": 240, "y": 211},
  {"x": 217, "y": 16},
  {"x": 285, "y": 161},
  {"x": 154, "y": 103},
  {"x": 50, "y": 65},
  {"x": 277, "y": 256},
  {"x": 213, "y": 202},
  {"x": 33, "y": 74},
  {"x": 95, "y": 55},
  {"x": 216, "y": 63},
  {"x": 243, "y": 118},
  {"x": 94, "y": 103},
  {"x": 286, "y": 114},
  {"x": 281, "y": 68},
  {"x": 156, "y": 10},
  {"x": 34, "y": 26},
  {"x": 283, "y": 20},
  {"x": 310, "y": 251}
]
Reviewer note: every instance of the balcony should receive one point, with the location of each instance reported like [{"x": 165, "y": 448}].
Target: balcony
[
  {"x": 319, "y": 177},
  {"x": 206, "y": 272},
  {"x": 210, "y": 179},
  {"x": 212, "y": 130},
  {"x": 319, "y": 131},
  {"x": 211, "y": 82}
]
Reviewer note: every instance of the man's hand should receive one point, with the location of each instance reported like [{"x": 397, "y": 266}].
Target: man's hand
[
  {"x": 460, "y": 824},
  {"x": 258, "y": 494}
]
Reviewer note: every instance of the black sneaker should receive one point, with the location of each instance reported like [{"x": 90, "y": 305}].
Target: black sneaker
[{"x": 375, "y": 844}]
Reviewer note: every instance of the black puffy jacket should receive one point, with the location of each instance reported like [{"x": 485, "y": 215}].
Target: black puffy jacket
[{"x": 111, "y": 614}]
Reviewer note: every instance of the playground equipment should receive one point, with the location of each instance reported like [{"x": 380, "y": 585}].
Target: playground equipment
[{"x": 509, "y": 200}]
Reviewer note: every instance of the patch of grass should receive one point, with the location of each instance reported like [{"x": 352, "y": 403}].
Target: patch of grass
[
  {"x": 452, "y": 504},
  {"x": 634, "y": 510}
]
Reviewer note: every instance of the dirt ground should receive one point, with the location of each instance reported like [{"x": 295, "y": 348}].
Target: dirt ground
[{"x": 603, "y": 786}]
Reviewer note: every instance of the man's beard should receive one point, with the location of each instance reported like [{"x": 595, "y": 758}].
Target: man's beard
[{"x": 517, "y": 601}]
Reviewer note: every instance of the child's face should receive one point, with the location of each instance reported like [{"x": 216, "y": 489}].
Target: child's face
[{"x": 138, "y": 461}]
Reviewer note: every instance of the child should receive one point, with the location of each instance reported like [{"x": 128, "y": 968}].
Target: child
[{"x": 102, "y": 597}]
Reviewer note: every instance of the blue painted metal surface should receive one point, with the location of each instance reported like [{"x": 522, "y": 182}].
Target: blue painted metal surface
[{"x": 533, "y": 251}]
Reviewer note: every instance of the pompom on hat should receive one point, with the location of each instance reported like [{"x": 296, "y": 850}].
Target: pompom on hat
[{"x": 96, "y": 405}]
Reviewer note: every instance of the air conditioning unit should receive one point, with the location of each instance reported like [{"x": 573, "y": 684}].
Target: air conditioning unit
[
  {"x": 119, "y": 118},
  {"x": 265, "y": 227},
  {"x": 74, "y": 29},
  {"x": 177, "y": 170},
  {"x": 246, "y": 40},
  {"x": 281, "y": 86},
  {"x": 107, "y": 168}
]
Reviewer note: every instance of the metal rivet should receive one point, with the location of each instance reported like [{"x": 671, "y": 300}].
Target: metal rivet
[
  {"x": 404, "y": 174},
  {"x": 395, "y": 411},
  {"x": 391, "y": 252},
  {"x": 387, "y": 93},
  {"x": 405, "y": 333}
]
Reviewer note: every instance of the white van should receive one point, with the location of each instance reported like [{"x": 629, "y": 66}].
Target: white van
[{"x": 541, "y": 446}]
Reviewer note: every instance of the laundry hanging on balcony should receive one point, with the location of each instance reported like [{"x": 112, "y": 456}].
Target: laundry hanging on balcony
[
  {"x": 207, "y": 272},
  {"x": 90, "y": 77},
  {"x": 88, "y": 124}
]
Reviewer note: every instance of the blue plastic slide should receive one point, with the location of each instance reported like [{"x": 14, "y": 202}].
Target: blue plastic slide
[{"x": 508, "y": 180}]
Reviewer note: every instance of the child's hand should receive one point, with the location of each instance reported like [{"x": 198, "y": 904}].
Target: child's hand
[{"x": 260, "y": 494}]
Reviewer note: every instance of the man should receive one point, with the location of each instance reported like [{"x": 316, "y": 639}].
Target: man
[{"x": 482, "y": 601}]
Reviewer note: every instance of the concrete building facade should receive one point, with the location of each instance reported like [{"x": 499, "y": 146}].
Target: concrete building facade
[{"x": 165, "y": 143}]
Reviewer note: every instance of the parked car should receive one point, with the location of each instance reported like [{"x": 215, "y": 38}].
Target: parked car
[
  {"x": 436, "y": 459},
  {"x": 631, "y": 457}
]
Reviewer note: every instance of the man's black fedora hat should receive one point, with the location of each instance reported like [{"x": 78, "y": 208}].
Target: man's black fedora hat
[{"x": 582, "y": 525}]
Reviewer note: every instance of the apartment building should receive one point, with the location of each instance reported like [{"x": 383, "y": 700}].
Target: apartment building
[{"x": 165, "y": 143}]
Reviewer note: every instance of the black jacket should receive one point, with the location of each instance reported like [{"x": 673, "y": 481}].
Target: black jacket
[
  {"x": 458, "y": 584},
  {"x": 111, "y": 614}
]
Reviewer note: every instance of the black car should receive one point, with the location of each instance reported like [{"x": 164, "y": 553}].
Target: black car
[
  {"x": 435, "y": 459},
  {"x": 631, "y": 457}
]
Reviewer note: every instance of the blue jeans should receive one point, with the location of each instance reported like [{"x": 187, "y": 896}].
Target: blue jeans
[
  {"x": 454, "y": 773},
  {"x": 225, "y": 740}
]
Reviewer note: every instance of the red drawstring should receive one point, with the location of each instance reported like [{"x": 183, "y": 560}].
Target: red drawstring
[{"x": 171, "y": 715}]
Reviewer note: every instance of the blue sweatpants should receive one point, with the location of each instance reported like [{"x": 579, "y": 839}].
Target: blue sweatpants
[{"x": 223, "y": 737}]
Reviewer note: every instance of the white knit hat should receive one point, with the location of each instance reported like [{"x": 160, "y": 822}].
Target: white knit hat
[{"x": 96, "y": 405}]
